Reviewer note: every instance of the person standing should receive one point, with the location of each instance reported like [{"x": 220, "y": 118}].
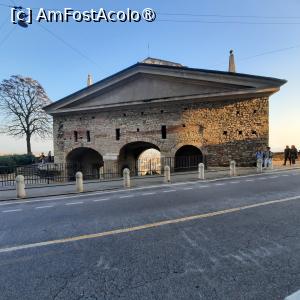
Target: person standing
[
  {"x": 287, "y": 155},
  {"x": 293, "y": 154},
  {"x": 259, "y": 155},
  {"x": 268, "y": 155}
]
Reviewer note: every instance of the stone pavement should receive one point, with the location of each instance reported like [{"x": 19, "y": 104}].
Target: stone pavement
[{"x": 9, "y": 193}]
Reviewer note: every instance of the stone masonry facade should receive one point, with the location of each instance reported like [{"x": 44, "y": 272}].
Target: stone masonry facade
[{"x": 222, "y": 130}]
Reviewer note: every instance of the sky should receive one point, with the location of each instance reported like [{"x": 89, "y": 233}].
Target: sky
[{"x": 265, "y": 36}]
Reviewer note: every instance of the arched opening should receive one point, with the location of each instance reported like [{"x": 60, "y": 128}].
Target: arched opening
[
  {"x": 86, "y": 160},
  {"x": 141, "y": 158},
  {"x": 187, "y": 158}
]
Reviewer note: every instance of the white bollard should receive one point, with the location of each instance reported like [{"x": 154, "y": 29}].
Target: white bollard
[
  {"x": 232, "y": 168},
  {"x": 259, "y": 165},
  {"x": 167, "y": 174},
  {"x": 126, "y": 178},
  {"x": 201, "y": 174},
  {"x": 101, "y": 173},
  {"x": 79, "y": 182},
  {"x": 20, "y": 186}
]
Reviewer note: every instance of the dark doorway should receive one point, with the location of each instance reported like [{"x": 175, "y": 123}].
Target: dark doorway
[{"x": 187, "y": 158}]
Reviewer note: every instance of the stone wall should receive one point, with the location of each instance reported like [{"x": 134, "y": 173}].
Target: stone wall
[{"x": 222, "y": 130}]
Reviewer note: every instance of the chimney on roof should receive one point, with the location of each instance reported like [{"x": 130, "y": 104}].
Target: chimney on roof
[
  {"x": 231, "y": 63},
  {"x": 89, "y": 80}
]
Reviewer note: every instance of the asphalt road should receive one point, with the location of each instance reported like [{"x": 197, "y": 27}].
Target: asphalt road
[{"x": 226, "y": 239}]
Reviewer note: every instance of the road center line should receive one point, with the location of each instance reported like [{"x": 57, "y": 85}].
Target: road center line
[
  {"x": 102, "y": 199},
  {"x": 42, "y": 207},
  {"x": 234, "y": 182},
  {"x": 12, "y": 210},
  {"x": 148, "y": 194},
  {"x": 126, "y": 196},
  {"x": 74, "y": 203},
  {"x": 250, "y": 180},
  {"x": 219, "y": 184},
  {"x": 187, "y": 188},
  {"x": 146, "y": 226},
  {"x": 169, "y": 191}
]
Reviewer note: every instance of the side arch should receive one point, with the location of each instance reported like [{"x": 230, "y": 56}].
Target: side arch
[
  {"x": 86, "y": 160},
  {"x": 187, "y": 158}
]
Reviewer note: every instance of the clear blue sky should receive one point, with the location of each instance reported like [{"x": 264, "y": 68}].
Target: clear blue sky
[{"x": 36, "y": 53}]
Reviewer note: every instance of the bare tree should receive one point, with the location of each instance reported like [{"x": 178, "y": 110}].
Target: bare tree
[{"x": 21, "y": 102}]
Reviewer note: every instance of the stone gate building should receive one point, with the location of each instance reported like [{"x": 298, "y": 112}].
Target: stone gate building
[{"x": 177, "y": 110}]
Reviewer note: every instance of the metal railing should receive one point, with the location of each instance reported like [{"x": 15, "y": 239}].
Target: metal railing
[{"x": 50, "y": 173}]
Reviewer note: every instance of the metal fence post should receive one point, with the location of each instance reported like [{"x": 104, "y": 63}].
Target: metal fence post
[
  {"x": 259, "y": 165},
  {"x": 232, "y": 168},
  {"x": 167, "y": 174},
  {"x": 79, "y": 182},
  {"x": 201, "y": 174},
  {"x": 20, "y": 186},
  {"x": 126, "y": 178}
]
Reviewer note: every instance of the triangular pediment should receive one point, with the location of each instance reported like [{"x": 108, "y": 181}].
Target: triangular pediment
[
  {"x": 144, "y": 82},
  {"x": 145, "y": 87}
]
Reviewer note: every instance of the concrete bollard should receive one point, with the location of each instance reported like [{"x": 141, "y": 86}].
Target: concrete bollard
[
  {"x": 101, "y": 173},
  {"x": 126, "y": 178},
  {"x": 79, "y": 182},
  {"x": 167, "y": 174},
  {"x": 259, "y": 165},
  {"x": 20, "y": 186},
  {"x": 201, "y": 174},
  {"x": 232, "y": 168}
]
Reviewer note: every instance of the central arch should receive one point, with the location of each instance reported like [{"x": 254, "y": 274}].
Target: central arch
[
  {"x": 131, "y": 157},
  {"x": 187, "y": 158},
  {"x": 86, "y": 160}
]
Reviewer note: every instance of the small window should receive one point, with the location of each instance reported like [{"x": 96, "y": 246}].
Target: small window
[
  {"x": 225, "y": 132},
  {"x": 237, "y": 112},
  {"x": 183, "y": 125},
  {"x": 164, "y": 132},
  {"x": 254, "y": 111},
  {"x": 185, "y": 108},
  {"x": 254, "y": 132},
  {"x": 118, "y": 134},
  {"x": 93, "y": 117},
  {"x": 88, "y": 136},
  {"x": 124, "y": 115},
  {"x": 240, "y": 132},
  {"x": 142, "y": 113},
  {"x": 162, "y": 111},
  {"x": 76, "y": 136},
  {"x": 137, "y": 130}
]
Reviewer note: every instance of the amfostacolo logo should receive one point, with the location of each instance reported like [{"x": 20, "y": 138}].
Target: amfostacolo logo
[{"x": 25, "y": 16}]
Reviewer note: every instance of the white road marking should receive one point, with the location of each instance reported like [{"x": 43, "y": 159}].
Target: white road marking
[
  {"x": 273, "y": 177},
  {"x": 11, "y": 210},
  {"x": 148, "y": 194},
  {"x": 74, "y": 203},
  {"x": 102, "y": 199},
  {"x": 187, "y": 188},
  {"x": 233, "y": 182},
  {"x": 147, "y": 226},
  {"x": 263, "y": 178},
  {"x": 285, "y": 175},
  {"x": 203, "y": 186},
  {"x": 295, "y": 296},
  {"x": 126, "y": 196},
  {"x": 169, "y": 191},
  {"x": 42, "y": 207},
  {"x": 219, "y": 184},
  {"x": 250, "y": 180}
]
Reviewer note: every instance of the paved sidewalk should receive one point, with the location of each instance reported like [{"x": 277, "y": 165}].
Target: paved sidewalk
[{"x": 9, "y": 193}]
